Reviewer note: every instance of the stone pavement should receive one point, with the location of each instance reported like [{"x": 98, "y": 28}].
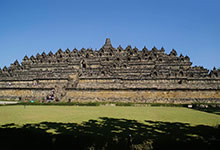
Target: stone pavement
[{"x": 8, "y": 102}]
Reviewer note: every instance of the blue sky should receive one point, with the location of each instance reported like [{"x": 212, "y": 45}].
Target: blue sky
[{"x": 191, "y": 27}]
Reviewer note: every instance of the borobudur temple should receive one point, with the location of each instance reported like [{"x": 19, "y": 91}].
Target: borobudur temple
[{"x": 110, "y": 74}]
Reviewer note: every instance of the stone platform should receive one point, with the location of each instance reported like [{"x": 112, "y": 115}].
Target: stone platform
[{"x": 110, "y": 74}]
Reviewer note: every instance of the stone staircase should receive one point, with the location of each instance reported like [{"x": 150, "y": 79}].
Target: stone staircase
[{"x": 60, "y": 92}]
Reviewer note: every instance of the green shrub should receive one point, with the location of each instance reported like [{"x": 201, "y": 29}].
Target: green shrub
[{"x": 195, "y": 105}]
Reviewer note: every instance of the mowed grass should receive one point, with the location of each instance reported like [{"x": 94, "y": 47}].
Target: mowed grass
[{"x": 77, "y": 114}]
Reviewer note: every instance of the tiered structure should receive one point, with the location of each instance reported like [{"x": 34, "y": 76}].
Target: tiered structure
[{"x": 110, "y": 74}]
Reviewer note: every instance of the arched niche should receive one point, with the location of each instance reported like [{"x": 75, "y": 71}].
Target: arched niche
[
  {"x": 83, "y": 64},
  {"x": 181, "y": 74}
]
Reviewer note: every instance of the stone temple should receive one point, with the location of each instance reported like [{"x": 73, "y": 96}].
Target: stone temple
[{"x": 110, "y": 74}]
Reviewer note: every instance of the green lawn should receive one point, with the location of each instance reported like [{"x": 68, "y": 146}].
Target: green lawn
[
  {"x": 107, "y": 127},
  {"x": 77, "y": 114}
]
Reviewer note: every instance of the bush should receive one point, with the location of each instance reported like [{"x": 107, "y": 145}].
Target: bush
[{"x": 195, "y": 106}]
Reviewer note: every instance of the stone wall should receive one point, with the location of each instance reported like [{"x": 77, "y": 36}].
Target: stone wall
[
  {"x": 149, "y": 96},
  {"x": 24, "y": 94},
  {"x": 112, "y": 74}
]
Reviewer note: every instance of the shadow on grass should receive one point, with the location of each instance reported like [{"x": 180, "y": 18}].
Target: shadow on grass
[
  {"x": 209, "y": 110},
  {"x": 109, "y": 133}
]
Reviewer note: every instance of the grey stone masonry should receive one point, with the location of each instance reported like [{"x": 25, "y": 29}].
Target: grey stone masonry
[
  {"x": 108, "y": 62},
  {"x": 108, "y": 68}
]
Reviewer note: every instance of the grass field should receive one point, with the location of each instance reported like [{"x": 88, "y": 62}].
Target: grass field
[
  {"x": 108, "y": 127},
  {"x": 36, "y": 114}
]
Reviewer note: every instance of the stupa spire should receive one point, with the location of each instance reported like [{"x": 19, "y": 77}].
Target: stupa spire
[{"x": 107, "y": 43}]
